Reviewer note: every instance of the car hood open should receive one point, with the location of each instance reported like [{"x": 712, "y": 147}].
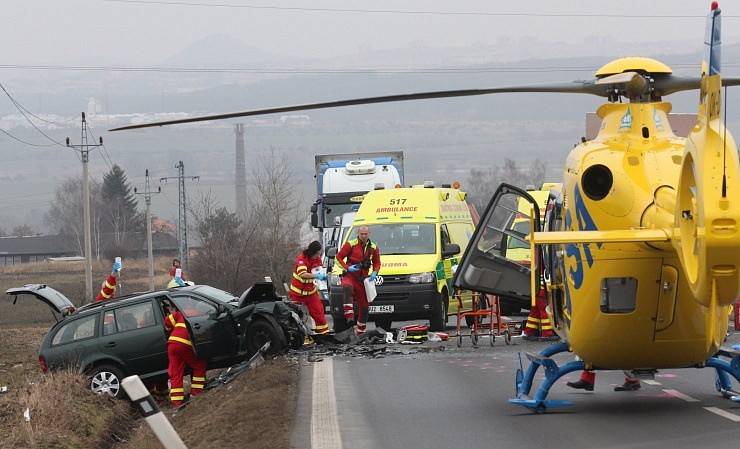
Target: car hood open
[{"x": 57, "y": 301}]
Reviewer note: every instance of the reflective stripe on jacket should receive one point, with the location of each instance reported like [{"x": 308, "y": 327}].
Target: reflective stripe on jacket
[{"x": 175, "y": 325}]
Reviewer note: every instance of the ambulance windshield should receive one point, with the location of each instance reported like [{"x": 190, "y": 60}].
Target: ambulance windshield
[{"x": 402, "y": 238}]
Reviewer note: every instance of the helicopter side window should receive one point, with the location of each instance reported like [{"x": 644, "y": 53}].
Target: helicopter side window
[{"x": 618, "y": 295}]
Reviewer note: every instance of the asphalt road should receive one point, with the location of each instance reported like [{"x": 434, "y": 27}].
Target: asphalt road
[{"x": 458, "y": 398}]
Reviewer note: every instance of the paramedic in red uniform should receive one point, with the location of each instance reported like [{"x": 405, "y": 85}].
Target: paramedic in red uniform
[
  {"x": 180, "y": 353},
  {"x": 108, "y": 288},
  {"x": 302, "y": 288},
  {"x": 359, "y": 258}
]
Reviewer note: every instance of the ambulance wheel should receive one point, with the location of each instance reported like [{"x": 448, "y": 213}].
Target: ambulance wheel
[
  {"x": 438, "y": 321},
  {"x": 383, "y": 323}
]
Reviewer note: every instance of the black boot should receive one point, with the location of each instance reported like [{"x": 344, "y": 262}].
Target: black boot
[
  {"x": 629, "y": 385},
  {"x": 581, "y": 385}
]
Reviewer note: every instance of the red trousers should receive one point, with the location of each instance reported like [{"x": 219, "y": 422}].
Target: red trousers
[
  {"x": 538, "y": 321},
  {"x": 355, "y": 299},
  {"x": 179, "y": 356},
  {"x": 315, "y": 309}
]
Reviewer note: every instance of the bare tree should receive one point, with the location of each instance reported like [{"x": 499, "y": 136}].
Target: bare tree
[
  {"x": 65, "y": 214},
  {"x": 281, "y": 214},
  {"x": 483, "y": 182},
  {"x": 23, "y": 230},
  {"x": 238, "y": 250}
]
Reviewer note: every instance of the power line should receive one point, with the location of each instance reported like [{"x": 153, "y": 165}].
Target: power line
[
  {"x": 415, "y": 12},
  {"x": 307, "y": 71},
  {"x": 18, "y": 107},
  {"x": 39, "y": 145}
]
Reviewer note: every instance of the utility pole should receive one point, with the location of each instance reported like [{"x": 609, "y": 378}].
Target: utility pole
[
  {"x": 84, "y": 149},
  {"x": 182, "y": 215},
  {"x": 148, "y": 199},
  {"x": 240, "y": 178}
]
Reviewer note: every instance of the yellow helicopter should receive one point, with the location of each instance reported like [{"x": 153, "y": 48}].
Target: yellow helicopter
[{"x": 639, "y": 251}]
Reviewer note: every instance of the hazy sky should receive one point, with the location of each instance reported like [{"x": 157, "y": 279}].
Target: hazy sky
[{"x": 94, "y": 32}]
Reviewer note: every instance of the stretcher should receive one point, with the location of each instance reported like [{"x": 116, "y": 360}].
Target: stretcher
[{"x": 484, "y": 320}]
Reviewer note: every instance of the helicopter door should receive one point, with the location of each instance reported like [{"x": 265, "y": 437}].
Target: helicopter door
[{"x": 496, "y": 260}]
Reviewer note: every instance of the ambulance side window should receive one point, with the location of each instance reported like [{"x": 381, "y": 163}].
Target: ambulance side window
[
  {"x": 445, "y": 235},
  {"x": 460, "y": 234}
]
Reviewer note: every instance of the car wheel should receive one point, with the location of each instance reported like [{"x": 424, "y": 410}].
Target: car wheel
[
  {"x": 384, "y": 323},
  {"x": 260, "y": 331},
  {"x": 438, "y": 322},
  {"x": 106, "y": 379}
]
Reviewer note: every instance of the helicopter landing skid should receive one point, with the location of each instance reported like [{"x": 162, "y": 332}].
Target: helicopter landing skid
[
  {"x": 553, "y": 372},
  {"x": 726, "y": 363}
]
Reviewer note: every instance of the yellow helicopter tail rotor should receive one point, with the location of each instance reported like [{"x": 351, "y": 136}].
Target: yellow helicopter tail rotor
[{"x": 707, "y": 214}]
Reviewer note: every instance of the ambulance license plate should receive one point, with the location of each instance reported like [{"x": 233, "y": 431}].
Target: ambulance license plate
[{"x": 381, "y": 309}]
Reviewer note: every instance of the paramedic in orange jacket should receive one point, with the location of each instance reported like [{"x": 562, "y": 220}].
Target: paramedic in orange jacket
[
  {"x": 108, "y": 288},
  {"x": 180, "y": 353},
  {"x": 302, "y": 288},
  {"x": 356, "y": 258}
]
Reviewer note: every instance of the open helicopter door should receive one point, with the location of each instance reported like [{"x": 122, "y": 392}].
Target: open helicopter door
[{"x": 497, "y": 259}]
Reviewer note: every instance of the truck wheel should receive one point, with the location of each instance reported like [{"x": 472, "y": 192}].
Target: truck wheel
[
  {"x": 384, "y": 323},
  {"x": 438, "y": 321},
  {"x": 260, "y": 331}
]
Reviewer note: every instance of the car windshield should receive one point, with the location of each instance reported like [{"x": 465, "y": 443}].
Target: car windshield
[
  {"x": 214, "y": 293},
  {"x": 402, "y": 238}
]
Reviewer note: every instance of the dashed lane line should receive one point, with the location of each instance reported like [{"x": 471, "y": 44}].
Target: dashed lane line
[
  {"x": 652, "y": 382},
  {"x": 324, "y": 421},
  {"x": 723, "y": 413},
  {"x": 678, "y": 394}
]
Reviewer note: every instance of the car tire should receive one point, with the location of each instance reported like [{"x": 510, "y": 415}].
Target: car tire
[
  {"x": 262, "y": 330},
  {"x": 384, "y": 323},
  {"x": 438, "y": 321},
  {"x": 106, "y": 379}
]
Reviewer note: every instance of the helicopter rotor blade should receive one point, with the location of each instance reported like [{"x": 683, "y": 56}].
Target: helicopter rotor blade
[
  {"x": 581, "y": 87},
  {"x": 670, "y": 84}
]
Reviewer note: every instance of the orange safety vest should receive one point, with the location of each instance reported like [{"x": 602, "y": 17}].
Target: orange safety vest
[
  {"x": 299, "y": 286},
  {"x": 175, "y": 325},
  {"x": 108, "y": 289}
]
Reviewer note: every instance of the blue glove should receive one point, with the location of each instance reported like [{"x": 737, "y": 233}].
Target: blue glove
[
  {"x": 179, "y": 281},
  {"x": 353, "y": 268},
  {"x": 320, "y": 276},
  {"x": 373, "y": 276},
  {"x": 116, "y": 267}
]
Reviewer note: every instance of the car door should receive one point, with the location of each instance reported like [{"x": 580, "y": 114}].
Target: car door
[
  {"x": 133, "y": 334},
  {"x": 211, "y": 325},
  {"x": 486, "y": 266},
  {"x": 73, "y": 342}
]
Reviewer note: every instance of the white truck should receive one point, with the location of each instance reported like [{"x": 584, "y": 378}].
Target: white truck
[{"x": 341, "y": 181}]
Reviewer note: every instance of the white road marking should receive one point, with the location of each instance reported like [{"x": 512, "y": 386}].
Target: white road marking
[
  {"x": 324, "y": 422},
  {"x": 678, "y": 394},
  {"x": 723, "y": 413},
  {"x": 652, "y": 382}
]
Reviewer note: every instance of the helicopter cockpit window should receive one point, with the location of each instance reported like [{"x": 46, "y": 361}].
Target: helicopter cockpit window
[
  {"x": 506, "y": 232},
  {"x": 618, "y": 295}
]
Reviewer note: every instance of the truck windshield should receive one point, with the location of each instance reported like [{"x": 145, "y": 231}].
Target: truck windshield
[
  {"x": 402, "y": 238},
  {"x": 332, "y": 211}
]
